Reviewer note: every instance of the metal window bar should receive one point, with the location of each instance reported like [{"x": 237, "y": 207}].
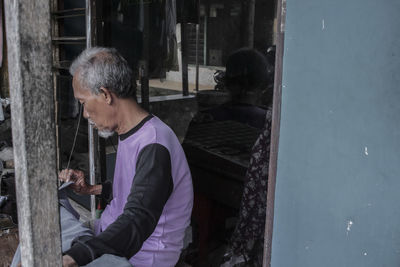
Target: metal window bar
[
  {"x": 144, "y": 63},
  {"x": 92, "y": 135},
  {"x": 185, "y": 80},
  {"x": 197, "y": 56}
]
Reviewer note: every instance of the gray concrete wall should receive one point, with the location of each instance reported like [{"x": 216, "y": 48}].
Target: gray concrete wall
[{"x": 337, "y": 186}]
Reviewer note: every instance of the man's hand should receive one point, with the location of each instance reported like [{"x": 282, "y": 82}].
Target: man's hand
[
  {"x": 68, "y": 261},
  {"x": 78, "y": 177}
]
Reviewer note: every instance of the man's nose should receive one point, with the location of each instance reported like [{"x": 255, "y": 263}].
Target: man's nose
[{"x": 85, "y": 113}]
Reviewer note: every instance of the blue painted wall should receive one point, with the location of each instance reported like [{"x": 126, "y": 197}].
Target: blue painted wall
[{"x": 338, "y": 181}]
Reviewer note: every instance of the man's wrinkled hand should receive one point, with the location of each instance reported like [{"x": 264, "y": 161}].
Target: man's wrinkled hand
[
  {"x": 78, "y": 177},
  {"x": 68, "y": 261}
]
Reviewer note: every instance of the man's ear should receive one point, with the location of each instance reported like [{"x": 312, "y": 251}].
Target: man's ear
[{"x": 106, "y": 94}]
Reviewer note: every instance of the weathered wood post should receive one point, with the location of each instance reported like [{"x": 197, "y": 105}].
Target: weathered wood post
[{"x": 33, "y": 129}]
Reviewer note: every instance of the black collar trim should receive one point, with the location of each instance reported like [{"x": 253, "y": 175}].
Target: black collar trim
[{"x": 122, "y": 137}]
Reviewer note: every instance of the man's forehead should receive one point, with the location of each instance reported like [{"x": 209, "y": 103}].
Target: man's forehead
[{"x": 79, "y": 91}]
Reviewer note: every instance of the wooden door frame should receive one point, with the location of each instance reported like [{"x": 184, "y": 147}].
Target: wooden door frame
[{"x": 276, "y": 118}]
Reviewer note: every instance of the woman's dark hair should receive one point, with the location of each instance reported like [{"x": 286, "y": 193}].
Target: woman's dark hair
[{"x": 246, "y": 71}]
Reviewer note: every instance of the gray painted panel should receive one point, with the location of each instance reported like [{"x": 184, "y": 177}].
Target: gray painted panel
[{"x": 338, "y": 180}]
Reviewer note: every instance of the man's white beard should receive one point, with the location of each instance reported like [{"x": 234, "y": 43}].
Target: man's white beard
[
  {"x": 105, "y": 133},
  {"x": 102, "y": 133}
]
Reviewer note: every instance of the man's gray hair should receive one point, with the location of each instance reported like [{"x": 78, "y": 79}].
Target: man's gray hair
[{"x": 104, "y": 67}]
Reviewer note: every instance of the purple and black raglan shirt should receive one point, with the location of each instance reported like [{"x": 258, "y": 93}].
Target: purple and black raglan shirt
[{"x": 152, "y": 199}]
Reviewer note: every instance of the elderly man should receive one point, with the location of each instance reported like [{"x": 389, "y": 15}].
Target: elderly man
[{"x": 151, "y": 194}]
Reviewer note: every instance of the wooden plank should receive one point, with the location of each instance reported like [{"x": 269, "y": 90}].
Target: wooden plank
[
  {"x": 33, "y": 129},
  {"x": 56, "y": 12},
  {"x": 276, "y": 120},
  {"x": 69, "y": 38}
]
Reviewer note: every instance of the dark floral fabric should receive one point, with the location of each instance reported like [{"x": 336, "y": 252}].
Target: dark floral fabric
[{"x": 248, "y": 236}]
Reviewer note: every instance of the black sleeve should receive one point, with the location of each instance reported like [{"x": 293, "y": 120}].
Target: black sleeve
[
  {"x": 151, "y": 188},
  {"x": 106, "y": 191}
]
